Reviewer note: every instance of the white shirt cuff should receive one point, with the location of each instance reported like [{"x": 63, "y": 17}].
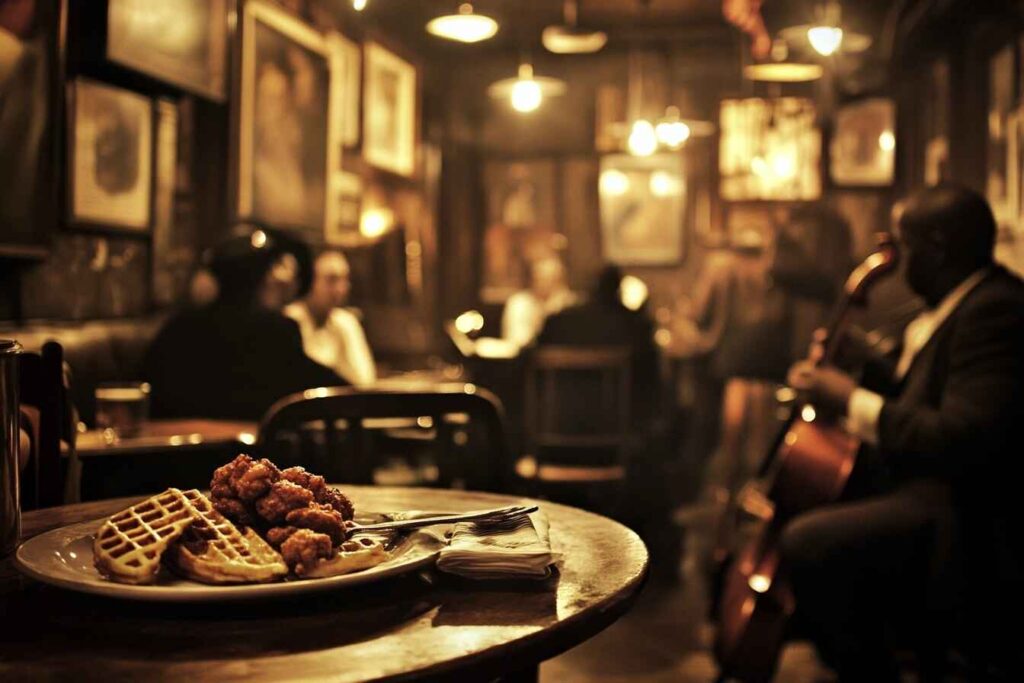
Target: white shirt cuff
[{"x": 862, "y": 414}]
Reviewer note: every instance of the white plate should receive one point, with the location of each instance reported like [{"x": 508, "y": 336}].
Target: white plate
[{"x": 63, "y": 557}]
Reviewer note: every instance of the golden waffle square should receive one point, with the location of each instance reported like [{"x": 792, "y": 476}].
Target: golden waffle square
[
  {"x": 351, "y": 556},
  {"x": 213, "y": 550},
  {"x": 128, "y": 546}
]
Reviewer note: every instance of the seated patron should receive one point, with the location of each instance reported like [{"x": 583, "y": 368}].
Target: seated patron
[
  {"x": 526, "y": 311},
  {"x": 332, "y": 335},
  {"x": 933, "y": 540},
  {"x": 232, "y": 358}
]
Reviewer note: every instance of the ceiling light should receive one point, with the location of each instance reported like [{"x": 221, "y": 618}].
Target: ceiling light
[
  {"x": 783, "y": 72},
  {"x": 568, "y": 38},
  {"x": 825, "y": 39},
  {"x": 526, "y": 91},
  {"x": 359, "y": 5},
  {"x": 464, "y": 27},
  {"x": 671, "y": 131},
  {"x": 642, "y": 139}
]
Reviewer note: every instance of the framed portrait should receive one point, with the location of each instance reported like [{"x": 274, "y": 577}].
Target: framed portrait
[
  {"x": 110, "y": 157},
  {"x": 183, "y": 42},
  {"x": 1001, "y": 100},
  {"x": 347, "y": 71},
  {"x": 863, "y": 147},
  {"x": 643, "y": 205},
  {"x": 522, "y": 223},
  {"x": 288, "y": 131},
  {"x": 389, "y": 111},
  {"x": 769, "y": 149}
]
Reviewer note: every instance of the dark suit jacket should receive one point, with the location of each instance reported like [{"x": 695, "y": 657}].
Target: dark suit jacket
[
  {"x": 958, "y": 417},
  {"x": 228, "y": 362}
]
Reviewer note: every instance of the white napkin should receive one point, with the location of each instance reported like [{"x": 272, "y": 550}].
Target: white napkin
[{"x": 479, "y": 552}]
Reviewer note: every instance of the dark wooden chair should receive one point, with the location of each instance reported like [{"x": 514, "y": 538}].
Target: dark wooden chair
[
  {"x": 329, "y": 430},
  {"x": 578, "y": 416},
  {"x": 49, "y": 417}
]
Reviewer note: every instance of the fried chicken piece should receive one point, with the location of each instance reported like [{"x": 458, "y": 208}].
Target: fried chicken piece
[
  {"x": 302, "y": 477},
  {"x": 303, "y": 548},
  {"x": 279, "y": 534},
  {"x": 339, "y": 501},
  {"x": 235, "y": 510},
  {"x": 284, "y": 496},
  {"x": 321, "y": 518},
  {"x": 244, "y": 478},
  {"x": 221, "y": 485}
]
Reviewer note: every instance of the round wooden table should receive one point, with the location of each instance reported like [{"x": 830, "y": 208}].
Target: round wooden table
[{"x": 430, "y": 625}]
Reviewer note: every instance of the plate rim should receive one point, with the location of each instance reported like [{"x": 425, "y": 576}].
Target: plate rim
[{"x": 205, "y": 592}]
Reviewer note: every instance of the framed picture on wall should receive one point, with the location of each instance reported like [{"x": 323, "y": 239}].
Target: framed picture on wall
[
  {"x": 863, "y": 147},
  {"x": 183, "y": 42},
  {"x": 389, "y": 111},
  {"x": 288, "y": 133},
  {"x": 110, "y": 156},
  {"x": 1001, "y": 96},
  {"x": 346, "y": 69},
  {"x": 643, "y": 205}
]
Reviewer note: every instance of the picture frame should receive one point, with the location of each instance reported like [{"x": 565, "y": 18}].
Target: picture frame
[
  {"x": 862, "y": 151},
  {"x": 110, "y": 156},
  {"x": 390, "y": 110},
  {"x": 1000, "y": 102},
  {"x": 181, "y": 42},
  {"x": 288, "y": 143},
  {"x": 347, "y": 70},
  {"x": 643, "y": 209}
]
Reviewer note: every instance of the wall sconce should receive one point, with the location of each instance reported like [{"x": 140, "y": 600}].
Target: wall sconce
[{"x": 374, "y": 223}]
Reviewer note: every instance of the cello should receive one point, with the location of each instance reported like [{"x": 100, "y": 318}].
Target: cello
[{"x": 809, "y": 465}]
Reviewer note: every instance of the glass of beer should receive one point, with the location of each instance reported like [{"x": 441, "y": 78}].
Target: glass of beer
[{"x": 122, "y": 408}]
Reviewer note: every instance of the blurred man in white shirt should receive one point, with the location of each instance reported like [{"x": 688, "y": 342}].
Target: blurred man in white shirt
[
  {"x": 526, "y": 311},
  {"x": 332, "y": 335}
]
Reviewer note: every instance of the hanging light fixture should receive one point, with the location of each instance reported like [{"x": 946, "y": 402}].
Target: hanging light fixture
[
  {"x": 568, "y": 38},
  {"x": 781, "y": 70},
  {"x": 464, "y": 27},
  {"x": 672, "y": 131},
  {"x": 526, "y": 91},
  {"x": 359, "y": 5},
  {"x": 826, "y": 35}
]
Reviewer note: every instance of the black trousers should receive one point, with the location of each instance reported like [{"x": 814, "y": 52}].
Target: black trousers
[{"x": 868, "y": 571}]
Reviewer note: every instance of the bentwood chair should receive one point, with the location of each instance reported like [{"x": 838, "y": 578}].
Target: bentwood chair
[
  {"x": 579, "y": 418},
  {"x": 334, "y": 430},
  {"x": 49, "y": 417}
]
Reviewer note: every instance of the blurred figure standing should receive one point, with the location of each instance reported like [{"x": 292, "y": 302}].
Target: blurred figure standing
[{"x": 332, "y": 335}]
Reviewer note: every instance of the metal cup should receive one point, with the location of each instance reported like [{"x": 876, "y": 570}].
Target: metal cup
[{"x": 10, "y": 506}]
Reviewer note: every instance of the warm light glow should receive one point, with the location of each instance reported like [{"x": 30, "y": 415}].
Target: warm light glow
[
  {"x": 672, "y": 133},
  {"x": 825, "y": 39},
  {"x": 359, "y": 5},
  {"x": 664, "y": 184},
  {"x": 642, "y": 139},
  {"x": 759, "y": 583},
  {"x": 258, "y": 239},
  {"x": 783, "y": 165},
  {"x": 633, "y": 292},
  {"x": 465, "y": 27},
  {"x": 759, "y": 166},
  {"x": 567, "y": 40},
  {"x": 783, "y": 72},
  {"x": 375, "y": 222},
  {"x": 887, "y": 141},
  {"x": 613, "y": 183},
  {"x": 469, "y": 322},
  {"x": 808, "y": 414},
  {"x": 526, "y": 95}
]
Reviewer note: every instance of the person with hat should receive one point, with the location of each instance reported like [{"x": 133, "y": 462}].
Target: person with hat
[{"x": 234, "y": 357}]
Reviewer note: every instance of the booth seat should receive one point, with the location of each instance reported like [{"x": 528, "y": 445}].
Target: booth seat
[{"x": 97, "y": 351}]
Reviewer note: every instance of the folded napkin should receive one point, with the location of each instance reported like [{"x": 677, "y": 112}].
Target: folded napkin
[{"x": 479, "y": 551}]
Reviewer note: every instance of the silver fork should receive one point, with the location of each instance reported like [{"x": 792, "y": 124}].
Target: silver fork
[{"x": 499, "y": 517}]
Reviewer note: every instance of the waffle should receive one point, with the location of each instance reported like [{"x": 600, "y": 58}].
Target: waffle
[
  {"x": 213, "y": 550},
  {"x": 351, "y": 556},
  {"x": 128, "y": 546}
]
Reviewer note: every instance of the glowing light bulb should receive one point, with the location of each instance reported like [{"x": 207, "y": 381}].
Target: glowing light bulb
[
  {"x": 887, "y": 141},
  {"x": 470, "y": 321},
  {"x": 613, "y": 183},
  {"x": 359, "y": 5},
  {"x": 759, "y": 583},
  {"x": 375, "y": 222},
  {"x": 465, "y": 27},
  {"x": 825, "y": 39},
  {"x": 664, "y": 184},
  {"x": 642, "y": 139},
  {"x": 672, "y": 133}
]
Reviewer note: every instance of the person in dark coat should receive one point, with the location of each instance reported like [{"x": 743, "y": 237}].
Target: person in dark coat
[
  {"x": 233, "y": 358},
  {"x": 940, "y": 544}
]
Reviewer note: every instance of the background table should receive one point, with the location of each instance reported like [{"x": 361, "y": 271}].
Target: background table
[{"x": 434, "y": 626}]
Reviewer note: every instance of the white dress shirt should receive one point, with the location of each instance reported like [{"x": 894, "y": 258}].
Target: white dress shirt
[
  {"x": 864, "y": 407},
  {"x": 339, "y": 343},
  {"x": 524, "y": 314}
]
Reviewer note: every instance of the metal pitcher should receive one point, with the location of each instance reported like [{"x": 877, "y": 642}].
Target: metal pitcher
[{"x": 10, "y": 507}]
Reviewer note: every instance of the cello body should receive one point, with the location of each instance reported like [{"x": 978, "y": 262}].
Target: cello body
[{"x": 809, "y": 466}]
